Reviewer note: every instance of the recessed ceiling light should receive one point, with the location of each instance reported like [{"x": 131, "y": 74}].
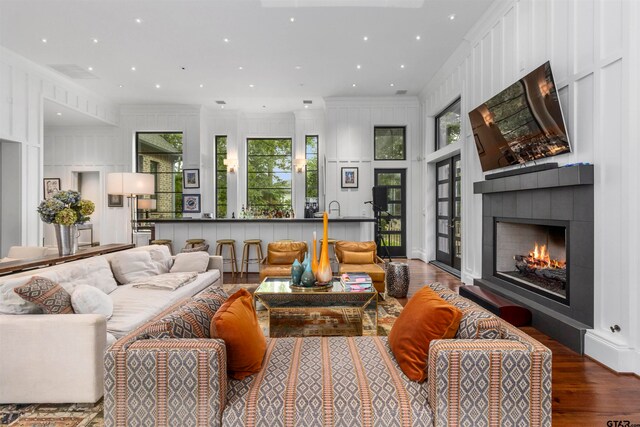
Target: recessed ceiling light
[
  {"x": 133, "y": 68},
  {"x": 365, "y": 38},
  {"x": 240, "y": 68},
  {"x": 44, "y": 40},
  {"x": 353, "y": 85},
  {"x": 418, "y": 37},
  {"x": 358, "y": 66},
  {"x": 452, "y": 16},
  {"x": 298, "y": 67},
  {"x": 201, "y": 85},
  {"x": 90, "y": 68},
  {"x": 58, "y": 114},
  {"x": 401, "y": 65},
  {"x": 95, "y": 40},
  {"x": 120, "y": 85},
  {"x": 157, "y": 86},
  {"x": 251, "y": 85},
  {"x": 292, "y": 19},
  {"x": 222, "y": 106},
  {"x": 391, "y": 84},
  {"x": 306, "y": 106},
  {"x": 226, "y": 40},
  {"x": 138, "y": 21}
]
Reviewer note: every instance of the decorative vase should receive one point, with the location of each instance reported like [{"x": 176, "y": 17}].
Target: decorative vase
[
  {"x": 305, "y": 261},
  {"x": 67, "y": 239},
  {"x": 308, "y": 278},
  {"x": 324, "y": 268},
  {"x": 314, "y": 259},
  {"x": 296, "y": 272}
]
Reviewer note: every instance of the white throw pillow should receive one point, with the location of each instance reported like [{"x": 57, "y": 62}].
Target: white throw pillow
[
  {"x": 190, "y": 262},
  {"x": 12, "y": 303},
  {"x": 90, "y": 300},
  {"x": 130, "y": 266}
]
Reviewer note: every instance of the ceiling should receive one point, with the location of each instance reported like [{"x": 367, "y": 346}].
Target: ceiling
[
  {"x": 180, "y": 46},
  {"x": 58, "y": 115}
]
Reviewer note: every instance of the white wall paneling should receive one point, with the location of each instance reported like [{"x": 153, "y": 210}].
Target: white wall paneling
[{"x": 594, "y": 66}]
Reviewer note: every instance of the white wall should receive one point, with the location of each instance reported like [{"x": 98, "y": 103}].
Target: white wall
[
  {"x": 23, "y": 86},
  {"x": 349, "y": 143},
  {"x": 589, "y": 45},
  {"x": 10, "y": 198}
]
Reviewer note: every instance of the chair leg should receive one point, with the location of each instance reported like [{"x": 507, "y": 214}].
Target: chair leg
[
  {"x": 260, "y": 257},
  {"x": 234, "y": 263},
  {"x": 245, "y": 261},
  {"x": 219, "y": 249}
]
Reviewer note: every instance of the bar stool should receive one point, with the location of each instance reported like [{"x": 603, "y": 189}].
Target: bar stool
[
  {"x": 246, "y": 252},
  {"x": 195, "y": 245},
  {"x": 232, "y": 253},
  {"x": 332, "y": 245},
  {"x": 166, "y": 242}
]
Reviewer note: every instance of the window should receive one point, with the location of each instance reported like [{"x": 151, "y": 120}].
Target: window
[
  {"x": 389, "y": 143},
  {"x": 161, "y": 155},
  {"x": 269, "y": 173},
  {"x": 311, "y": 188},
  {"x": 448, "y": 125},
  {"x": 221, "y": 176}
]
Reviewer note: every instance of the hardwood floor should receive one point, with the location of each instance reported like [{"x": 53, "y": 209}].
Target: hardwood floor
[{"x": 585, "y": 393}]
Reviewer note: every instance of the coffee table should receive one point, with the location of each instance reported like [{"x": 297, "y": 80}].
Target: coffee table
[{"x": 316, "y": 312}]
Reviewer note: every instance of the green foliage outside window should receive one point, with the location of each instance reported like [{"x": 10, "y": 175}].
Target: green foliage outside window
[
  {"x": 389, "y": 143},
  {"x": 311, "y": 179},
  {"x": 269, "y": 169},
  {"x": 221, "y": 176},
  {"x": 448, "y": 125}
]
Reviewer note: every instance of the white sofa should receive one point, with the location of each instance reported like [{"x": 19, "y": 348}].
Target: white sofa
[{"x": 59, "y": 358}]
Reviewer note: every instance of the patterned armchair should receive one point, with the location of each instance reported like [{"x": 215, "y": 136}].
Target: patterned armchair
[{"x": 489, "y": 374}]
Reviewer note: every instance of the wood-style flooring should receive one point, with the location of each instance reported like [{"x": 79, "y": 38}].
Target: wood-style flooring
[{"x": 585, "y": 393}]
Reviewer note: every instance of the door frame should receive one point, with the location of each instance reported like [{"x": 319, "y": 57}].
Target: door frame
[{"x": 450, "y": 258}]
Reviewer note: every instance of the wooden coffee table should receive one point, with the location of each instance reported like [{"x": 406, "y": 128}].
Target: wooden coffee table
[{"x": 317, "y": 312}]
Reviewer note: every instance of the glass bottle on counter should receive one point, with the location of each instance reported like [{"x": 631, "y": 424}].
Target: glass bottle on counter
[{"x": 243, "y": 213}]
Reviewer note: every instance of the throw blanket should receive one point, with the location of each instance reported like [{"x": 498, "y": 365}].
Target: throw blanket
[{"x": 168, "y": 281}]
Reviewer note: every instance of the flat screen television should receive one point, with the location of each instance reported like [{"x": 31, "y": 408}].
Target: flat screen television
[{"x": 522, "y": 123}]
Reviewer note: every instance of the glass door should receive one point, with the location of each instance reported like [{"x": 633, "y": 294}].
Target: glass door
[
  {"x": 449, "y": 212},
  {"x": 393, "y": 222}
]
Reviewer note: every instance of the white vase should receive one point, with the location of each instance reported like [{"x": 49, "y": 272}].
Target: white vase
[{"x": 67, "y": 239}]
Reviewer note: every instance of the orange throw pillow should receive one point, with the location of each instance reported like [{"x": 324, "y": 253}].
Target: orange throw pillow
[
  {"x": 236, "y": 322},
  {"x": 426, "y": 317}
]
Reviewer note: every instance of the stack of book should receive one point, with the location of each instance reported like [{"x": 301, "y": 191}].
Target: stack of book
[{"x": 356, "y": 282}]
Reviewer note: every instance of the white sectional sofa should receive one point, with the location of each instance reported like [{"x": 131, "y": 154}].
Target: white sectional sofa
[{"x": 59, "y": 358}]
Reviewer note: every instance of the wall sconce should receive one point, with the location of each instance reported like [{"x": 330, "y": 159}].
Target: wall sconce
[
  {"x": 231, "y": 165},
  {"x": 300, "y": 164}
]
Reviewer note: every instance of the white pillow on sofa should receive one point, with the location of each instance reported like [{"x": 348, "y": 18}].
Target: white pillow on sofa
[
  {"x": 191, "y": 262},
  {"x": 87, "y": 299},
  {"x": 130, "y": 266}
]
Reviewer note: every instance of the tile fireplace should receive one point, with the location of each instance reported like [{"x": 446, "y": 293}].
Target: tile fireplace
[{"x": 538, "y": 249}]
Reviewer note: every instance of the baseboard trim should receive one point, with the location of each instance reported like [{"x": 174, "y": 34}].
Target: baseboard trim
[{"x": 619, "y": 358}]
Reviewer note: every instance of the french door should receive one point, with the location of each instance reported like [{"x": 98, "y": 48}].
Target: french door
[
  {"x": 393, "y": 230},
  {"x": 448, "y": 212}
]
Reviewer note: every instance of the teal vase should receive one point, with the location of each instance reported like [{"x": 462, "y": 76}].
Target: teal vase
[
  {"x": 308, "y": 278},
  {"x": 296, "y": 272},
  {"x": 306, "y": 260}
]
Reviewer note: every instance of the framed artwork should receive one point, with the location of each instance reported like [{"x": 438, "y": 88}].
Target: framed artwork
[
  {"x": 114, "y": 200},
  {"x": 51, "y": 187},
  {"x": 191, "y": 178},
  {"x": 349, "y": 178},
  {"x": 191, "y": 203}
]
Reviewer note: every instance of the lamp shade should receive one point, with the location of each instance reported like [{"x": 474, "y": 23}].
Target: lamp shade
[
  {"x": 127, "y": 183},
  {"x": 147, "y": 204}
]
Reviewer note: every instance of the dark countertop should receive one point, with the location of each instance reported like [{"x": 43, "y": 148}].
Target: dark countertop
[{"x": 273, "y": 220}]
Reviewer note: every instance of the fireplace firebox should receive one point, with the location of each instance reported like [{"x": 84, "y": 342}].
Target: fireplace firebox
[{"x": 533, "y": 256}]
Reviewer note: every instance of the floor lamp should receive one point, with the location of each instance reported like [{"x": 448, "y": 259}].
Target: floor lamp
[{"x": 131, "y": 185}]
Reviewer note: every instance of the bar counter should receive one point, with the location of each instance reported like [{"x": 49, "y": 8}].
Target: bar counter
[{"x": 178, "y": 230}]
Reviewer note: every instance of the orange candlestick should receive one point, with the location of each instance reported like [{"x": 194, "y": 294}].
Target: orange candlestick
[
  {"x": 314, "y": 258},
  {"x": 324, "y": 269}
]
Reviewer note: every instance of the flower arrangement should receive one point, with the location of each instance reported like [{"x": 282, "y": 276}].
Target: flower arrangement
[{"x": 66, "y": 208}]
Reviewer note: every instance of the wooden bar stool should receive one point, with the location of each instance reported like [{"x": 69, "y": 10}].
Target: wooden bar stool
[
  {"x": 246, "y": 252},
  {"x": 232, "y": 253},
  {"x": 166, "y": 242},
  {"x": 195, "y": 245}
]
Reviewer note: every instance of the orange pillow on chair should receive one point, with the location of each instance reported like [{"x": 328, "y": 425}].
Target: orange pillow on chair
[
  {"x": 426, "y": 317},
  {"x": 236, "y": 322}
]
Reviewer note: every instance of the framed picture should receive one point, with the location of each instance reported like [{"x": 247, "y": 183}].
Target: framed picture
[
  {"x": 191, "y": 203},
  {"x": 349, "y": 178},
  {"x": 191, "y": 178},
  {"x": 114, "y": 200},
  {"x": 51, "y": 187}
]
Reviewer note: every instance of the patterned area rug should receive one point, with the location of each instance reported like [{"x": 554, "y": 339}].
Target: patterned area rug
[{"x": 90, "y": 415}]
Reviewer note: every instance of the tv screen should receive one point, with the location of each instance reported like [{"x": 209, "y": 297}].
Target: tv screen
[{"x": 522, "y": 123}]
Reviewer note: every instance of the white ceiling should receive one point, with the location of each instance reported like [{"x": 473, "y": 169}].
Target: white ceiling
[
  {"x": 55, "y": 114},
  {"x": 325, "y": 41}
]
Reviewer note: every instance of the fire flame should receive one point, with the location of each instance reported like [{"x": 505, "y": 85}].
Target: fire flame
[{"x": 541, "y": 255}]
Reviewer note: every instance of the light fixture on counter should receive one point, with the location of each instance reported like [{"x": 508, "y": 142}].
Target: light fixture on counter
[
  {"x": 147, "y": 205},
  {"x": 131, "y": 185}
]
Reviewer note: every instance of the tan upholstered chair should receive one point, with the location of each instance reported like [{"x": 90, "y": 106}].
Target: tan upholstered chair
[
  {"x": 280, "y": 256},
  {"x": 361, "y": 257}
]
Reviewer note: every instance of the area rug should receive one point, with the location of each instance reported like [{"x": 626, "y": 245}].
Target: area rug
[{"x": 90, "y": 415}]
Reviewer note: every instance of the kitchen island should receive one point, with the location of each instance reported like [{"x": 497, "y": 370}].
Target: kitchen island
[{"x": 178, "y": 230}]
